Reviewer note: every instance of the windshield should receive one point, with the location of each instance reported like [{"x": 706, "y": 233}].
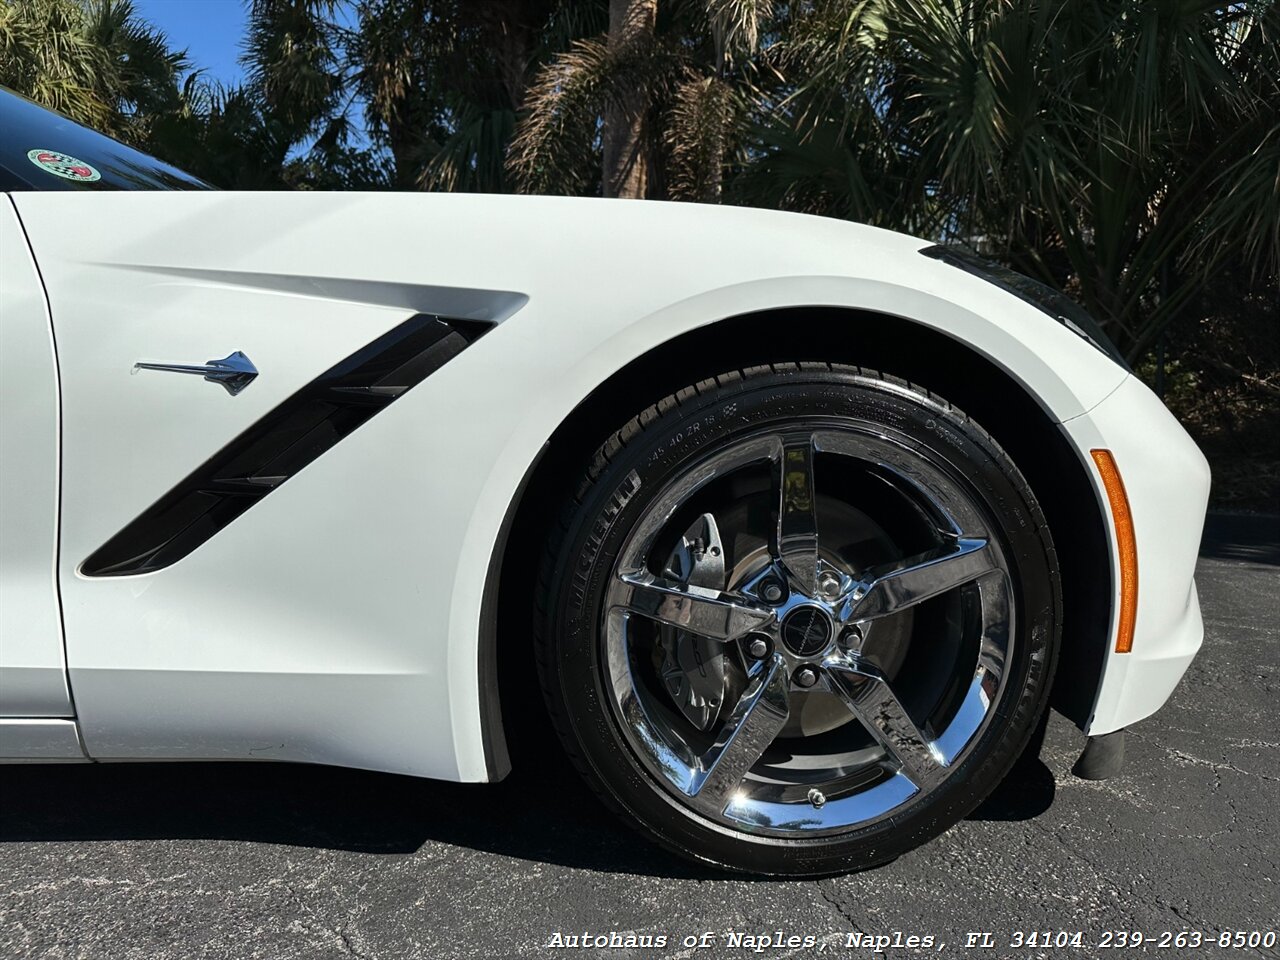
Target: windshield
[{"x": 41, "y": 150}]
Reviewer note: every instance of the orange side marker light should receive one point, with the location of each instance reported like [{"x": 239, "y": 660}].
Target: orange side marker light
[{"x": 1126, "y": 547}]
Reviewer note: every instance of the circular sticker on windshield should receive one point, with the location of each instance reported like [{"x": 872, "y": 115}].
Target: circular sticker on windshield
[{"x": 63, "y": 165}]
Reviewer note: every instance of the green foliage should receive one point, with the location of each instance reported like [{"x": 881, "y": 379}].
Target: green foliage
[
  {"x": 92, "y": 60},
  {"x": 1121, "y": 150},
  {"x": 1222, "y": 380}
]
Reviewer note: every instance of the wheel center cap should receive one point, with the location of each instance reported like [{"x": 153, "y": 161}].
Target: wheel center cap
[{"x": 806, "y": 631}]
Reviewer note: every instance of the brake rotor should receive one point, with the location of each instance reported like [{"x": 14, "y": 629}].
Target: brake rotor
[{"x": 695, "y": 670}]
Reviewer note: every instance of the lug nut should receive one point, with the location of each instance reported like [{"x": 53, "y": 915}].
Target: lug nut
[
  {"x": 758, "y": 648},
  {"x": 806, "y": 676},
  {"x": 771, "y": 590},
  {"x": 851, "y": 638},
  {"x": 829, "y": 584}
]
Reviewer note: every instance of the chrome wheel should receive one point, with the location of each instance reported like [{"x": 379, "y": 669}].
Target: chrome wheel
[
  {"x": 807, "y": 630},
  {"x": 798, "y": 618}
]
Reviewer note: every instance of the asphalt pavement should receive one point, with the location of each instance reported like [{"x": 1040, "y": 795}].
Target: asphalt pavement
[{"x": 281, "y": 862}]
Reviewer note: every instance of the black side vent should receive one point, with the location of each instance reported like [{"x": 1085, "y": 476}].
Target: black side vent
[{"x": 281, "y": 443}]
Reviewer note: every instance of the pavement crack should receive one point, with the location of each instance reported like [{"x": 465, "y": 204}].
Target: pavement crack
[
  {"x": 1181, "y": 756},
  {"x": 1249, "y": 742},
  {"x": 835, "y": 902},
  {"x": 347, "y": 946}
]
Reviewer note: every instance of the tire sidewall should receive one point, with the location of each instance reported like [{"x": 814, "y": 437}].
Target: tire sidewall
[{"x": 664, "y": 450}]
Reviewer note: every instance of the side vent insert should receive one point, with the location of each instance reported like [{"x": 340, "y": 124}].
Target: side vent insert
[{"x": 280, "y": 444}]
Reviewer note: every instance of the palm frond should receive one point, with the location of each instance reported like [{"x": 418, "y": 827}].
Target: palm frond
[
  {"x": 735, "y": 27},
  {"x": 700, "y": 132},
  {"x": 93, "y": 60},
  {"x": 471, "y": 159},
  {"x": 560, "y": 128},
  {"x": 291, "y": 56}
]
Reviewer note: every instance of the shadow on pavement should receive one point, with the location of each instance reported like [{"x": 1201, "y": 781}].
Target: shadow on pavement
[
  {"x": 1026, "y": 793},
  {"x": 551, "y": 817},
  {"x": 1254, "y": 538},
  {"x": 547, "y": 815}
]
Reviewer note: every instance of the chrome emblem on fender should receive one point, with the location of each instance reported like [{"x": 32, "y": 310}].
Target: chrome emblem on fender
[{"x": 234, "y": 372}]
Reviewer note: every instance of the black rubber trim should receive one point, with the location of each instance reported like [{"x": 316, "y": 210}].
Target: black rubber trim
[
  {"x": 1103, "y": 757},
  {"x": 497, "y": 759},
  {"x": 1040, "y": 295},
  {"x": 281, "y": 443}
]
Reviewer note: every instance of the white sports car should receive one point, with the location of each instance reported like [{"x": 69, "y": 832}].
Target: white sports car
[{"x": 799, "y": 525}]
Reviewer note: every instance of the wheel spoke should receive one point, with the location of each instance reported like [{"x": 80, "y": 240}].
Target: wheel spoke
[
  {"x": 797, "y": 536},
  {"x": 867, "y": 693},
  {"x": 889, "y": 589},
  {"x": 700, "y": 610},
  {"x": 756, "y": 720}
]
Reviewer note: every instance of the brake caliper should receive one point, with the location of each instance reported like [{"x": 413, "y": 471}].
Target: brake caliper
[{"x": 693, "y": 668}]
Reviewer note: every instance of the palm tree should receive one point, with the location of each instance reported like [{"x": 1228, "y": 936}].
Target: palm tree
[
  {"x": 438, "y": 81},
  {"x": 1121, "y": 150},
  {"x": 624, "y": 153},
  {"x": 95, "y": 61},
  {"x": 649, "y": 109}
]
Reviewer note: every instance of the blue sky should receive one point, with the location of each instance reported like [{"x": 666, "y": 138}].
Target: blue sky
[{"x": 211, "y": 31}]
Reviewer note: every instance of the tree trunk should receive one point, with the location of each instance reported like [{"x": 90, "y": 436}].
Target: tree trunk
[
  {"x": 511, "y": 28},
  {"x": 626, "y": 165}
]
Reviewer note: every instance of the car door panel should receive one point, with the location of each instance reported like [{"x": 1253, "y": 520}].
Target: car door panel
[{"x": 33, "y": 677}]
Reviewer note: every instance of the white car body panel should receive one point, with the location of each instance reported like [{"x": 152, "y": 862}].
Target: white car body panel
[
  {"x": 37, "y": 740},
  {"x": 338, "y": 621},
  {"x": 1166, "y": 480},
  {"x": 33, "y": 669}
]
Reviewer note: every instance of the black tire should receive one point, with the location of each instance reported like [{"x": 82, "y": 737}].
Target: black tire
[{"x": 659, "y": 444}]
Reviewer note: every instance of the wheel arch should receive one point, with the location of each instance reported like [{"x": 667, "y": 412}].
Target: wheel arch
[{"x": 924, "y": 355}]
